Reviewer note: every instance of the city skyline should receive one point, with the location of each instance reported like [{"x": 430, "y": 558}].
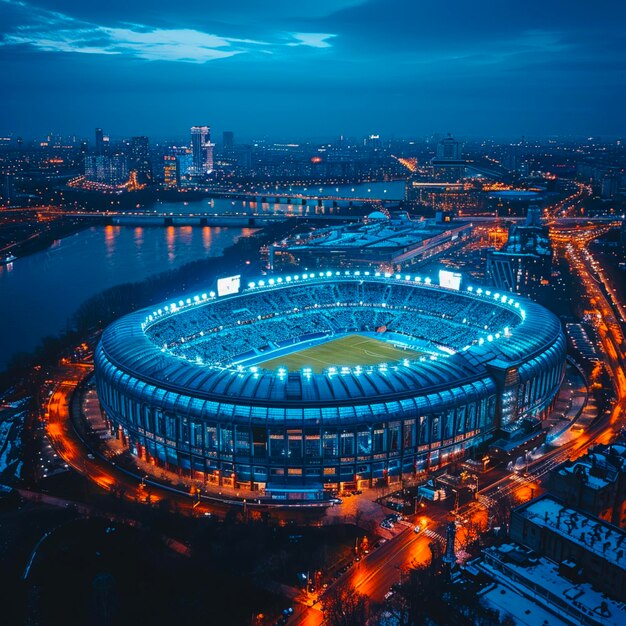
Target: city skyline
[{"x": 315, "y": 69}]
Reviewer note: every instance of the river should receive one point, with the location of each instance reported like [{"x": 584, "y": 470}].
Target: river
[{"x": 40, "y": 292}]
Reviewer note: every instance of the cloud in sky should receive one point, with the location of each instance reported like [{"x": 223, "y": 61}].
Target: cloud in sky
[
  {"x": 51, "y": 31},
  {"x": 313, "y": 40},
  {"x": 322, "y": 66}
]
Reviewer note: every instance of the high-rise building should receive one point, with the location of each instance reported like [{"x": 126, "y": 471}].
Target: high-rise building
[
  {"x": 448, "y": 163},
  {"x": 609, "y": 185},
  {"x": 448, "y": 149},
  {"x": 243, "y": 155},
  {"x": 106, "y": 169},
  {"x": 6, "y": 188},
  {"x": 171, "y": 171},
  {"x": 201, "y": 150},
  {"x": 139, "y": 158},
  {"x": 185, "y": 164},
  {"x": 177, "y": 167},
  {"x": 228, "y": 148},
  {"x": 99, "y": 141}
]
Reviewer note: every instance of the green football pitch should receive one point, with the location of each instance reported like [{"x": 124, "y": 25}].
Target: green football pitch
[{"x": 349, "y": 351}]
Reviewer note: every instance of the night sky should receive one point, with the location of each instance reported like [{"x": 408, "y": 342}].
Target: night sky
[{"x": 313, "y": 68}]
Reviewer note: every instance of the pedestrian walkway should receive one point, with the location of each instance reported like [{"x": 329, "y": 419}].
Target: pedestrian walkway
[{"x": 435, "y": 536}]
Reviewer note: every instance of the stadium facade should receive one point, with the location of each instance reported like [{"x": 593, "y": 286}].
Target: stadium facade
[{"x": 184, "y": 386}]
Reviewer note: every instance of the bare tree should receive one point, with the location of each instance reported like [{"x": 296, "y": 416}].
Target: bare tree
[
  {"x": 500, "y": 512},
  {"x": 346, "y": 607},
  {"x": 398, "y": 607},
  {"x": 468, "y": 534}
]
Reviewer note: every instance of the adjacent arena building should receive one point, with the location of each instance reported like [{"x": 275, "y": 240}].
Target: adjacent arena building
[{"x": 368, "y": 378}]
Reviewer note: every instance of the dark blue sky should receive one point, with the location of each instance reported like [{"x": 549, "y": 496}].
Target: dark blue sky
[{"x": 314, "y": 68}]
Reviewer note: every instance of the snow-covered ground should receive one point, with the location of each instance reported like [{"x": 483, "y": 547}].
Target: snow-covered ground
[{"x": 11, "y": 445}]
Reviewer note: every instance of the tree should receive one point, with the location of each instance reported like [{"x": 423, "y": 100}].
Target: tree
[
  {"x": 346, "y": 607},
  {"x": 500, "y": 512},
  {"x": 399, "y": 608},
  {"x": 468, "y": 534}
]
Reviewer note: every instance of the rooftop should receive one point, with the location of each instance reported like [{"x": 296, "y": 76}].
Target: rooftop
[
  {"x": 379, "y": 231},
  {"x": 526, "y": 611},
  {"x": 600, "y": 467},
  {"x": 536, "y": 338},
  {"x": 537, "y": 580},
  {"x": 603, "y": 539}
]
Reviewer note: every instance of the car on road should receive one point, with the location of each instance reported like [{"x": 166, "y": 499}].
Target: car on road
[{"x": 417, "y": 529}]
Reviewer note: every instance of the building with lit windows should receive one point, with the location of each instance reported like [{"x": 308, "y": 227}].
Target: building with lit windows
[
  {"x": 196, "y": 384},
  {"x": 201, "y": 150},
  {"x": 99, "y": 148},
  {"x": 448, "y": 163},
  {"x": 139, "y": 158},
  {"x": 109, "y": 170},
  {"x": 524, "y": 264},
  {"x": 171, "y": 171},
  {"x": 393, "y": 242}
]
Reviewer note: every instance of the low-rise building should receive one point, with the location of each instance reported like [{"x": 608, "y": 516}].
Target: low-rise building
[
  {"x": 391, "y": 242},
  {"x": 595, "y": 483},
  {"x": 524, "y": 263},
  {"x": 534, "y": 590},
  {"x": 561, "y": 533}
]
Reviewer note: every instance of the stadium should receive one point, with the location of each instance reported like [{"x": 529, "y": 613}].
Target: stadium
[{"x": 297, "y": 386}]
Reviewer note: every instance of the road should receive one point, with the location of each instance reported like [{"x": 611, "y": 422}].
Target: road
[
  {"x": 377, "y": 572},
  {"x": 102, "y": 472}
]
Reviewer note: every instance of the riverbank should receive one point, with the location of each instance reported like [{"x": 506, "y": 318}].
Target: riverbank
[{"x": 43, "y": 239}]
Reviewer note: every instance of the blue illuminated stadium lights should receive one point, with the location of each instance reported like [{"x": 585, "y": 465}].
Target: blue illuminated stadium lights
[{"x": 272, "y": 282}]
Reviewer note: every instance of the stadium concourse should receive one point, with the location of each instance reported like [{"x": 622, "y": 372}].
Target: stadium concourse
[{"x": 302, "y": 385}]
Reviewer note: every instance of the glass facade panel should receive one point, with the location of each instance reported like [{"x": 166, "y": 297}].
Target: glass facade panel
[
  {"x": 347, "y": 444},
  {"x": 312, "y": 446},
  {"x": 378, "y": 439},
  {"x": 393, "y": 436},
  {"x": 242, "y": 441},
  {"x": 277, "y": 444},
  {"x": 364, "y": 442},
  {"x": 408, "y": 439},
  {"x": 331, "y": 445},
  {"x": 226, "y": 439},
  {"x": 211, "y": 437},
  {"x": 295, "y": 444}
]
